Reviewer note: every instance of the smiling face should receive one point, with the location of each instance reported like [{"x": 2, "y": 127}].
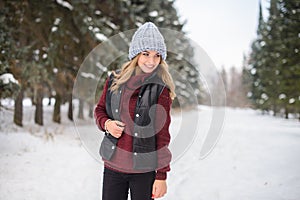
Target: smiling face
[{"x": 148, "y": 61}]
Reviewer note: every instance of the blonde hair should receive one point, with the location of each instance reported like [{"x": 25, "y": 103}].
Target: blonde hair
[{"x": 128, "y": 69}]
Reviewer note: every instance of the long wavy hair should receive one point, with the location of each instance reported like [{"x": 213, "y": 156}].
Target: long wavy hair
[{"x": 129, "y": 68}]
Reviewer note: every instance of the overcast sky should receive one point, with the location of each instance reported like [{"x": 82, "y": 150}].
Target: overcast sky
[{"x": 223, "y": 28}]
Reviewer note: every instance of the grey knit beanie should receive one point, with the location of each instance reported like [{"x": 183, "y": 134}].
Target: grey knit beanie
[{"x": 147, "y": 37}]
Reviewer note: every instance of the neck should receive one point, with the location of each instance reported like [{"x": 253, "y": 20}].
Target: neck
[{"x": 138, "y": 71}]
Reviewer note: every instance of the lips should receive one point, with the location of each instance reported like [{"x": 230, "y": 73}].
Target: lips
[{"x": 149, "y": 66}]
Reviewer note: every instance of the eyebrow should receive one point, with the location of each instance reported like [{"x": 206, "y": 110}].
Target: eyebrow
[{"x": 149, "y": 52}]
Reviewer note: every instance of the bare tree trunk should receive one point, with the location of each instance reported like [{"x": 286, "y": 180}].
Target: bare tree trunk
[
  {"x": 49, "y": 101},
  {"x": 39, "y": 107},
  {"x": 56, "y": 112},
  {"x": 274, "y": 109},
  {"x": 286, "y": 113},
  {"x": 80, "y": 111},
  {"x": 70, "y": 111},
  {"x": 91, "y": 110},
  {"x": 18, "y": 113}
]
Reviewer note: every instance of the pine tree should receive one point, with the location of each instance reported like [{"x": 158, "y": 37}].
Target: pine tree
[
  {"x": 246, "y": 82},
  {"x": 12, "y": 52},
  {"x": 289, "y": 56},
  {"x": 8, "y": 89},
  {"x": 255, "y": 64},
  {"x": 271, "y": 62},
  {"x": 274, "y": 61}
]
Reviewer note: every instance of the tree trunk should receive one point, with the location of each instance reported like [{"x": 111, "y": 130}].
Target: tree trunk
[
  {"x": 70, "y": 111},
  {"x": 274, "y": 109},
  {"x": 49, "y": 101},
  {"x": 39, "y": 107},
  {"x": 80, "y": 111},
  {"x": 56, "y": 112},
  {"x": 91, "y": 110},
  {"x": 286, "y": 113},
  {"x": 18, "y": 113}
]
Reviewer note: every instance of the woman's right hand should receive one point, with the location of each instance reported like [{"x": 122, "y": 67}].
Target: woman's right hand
[{"x": 115, "y": 128}]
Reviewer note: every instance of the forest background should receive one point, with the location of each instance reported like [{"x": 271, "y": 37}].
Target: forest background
[{"x": 43, "y": 45}]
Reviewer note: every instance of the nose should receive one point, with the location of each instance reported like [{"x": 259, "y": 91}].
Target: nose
[{"x": 151, "y": 60}]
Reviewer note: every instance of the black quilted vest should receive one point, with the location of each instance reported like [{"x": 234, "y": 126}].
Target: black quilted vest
[{"x": 144, "y": 141}]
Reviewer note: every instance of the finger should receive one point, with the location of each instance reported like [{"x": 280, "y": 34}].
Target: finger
[
  {"x": 157, "y": 192},
  {"x": 161, "y": 195},
  {"x": 116, "y": 135},
  {"x": 118, "y": 130},
  {"x": 154, "y": 192},
  {"x": 115, "y": 127},
  {"x": 121, "y": 128},
  {"x": 160, "y": 192},
  {"x": 120, "y": 124}
]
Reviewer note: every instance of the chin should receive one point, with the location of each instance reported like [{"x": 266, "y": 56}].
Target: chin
[{"x": 147, "y": 70}]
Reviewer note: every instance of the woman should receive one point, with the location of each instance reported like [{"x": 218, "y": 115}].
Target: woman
[{"x": 134, "y": 112}]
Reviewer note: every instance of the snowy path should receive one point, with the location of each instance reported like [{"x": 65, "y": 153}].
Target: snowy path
[{"x": 257, "y": 158}]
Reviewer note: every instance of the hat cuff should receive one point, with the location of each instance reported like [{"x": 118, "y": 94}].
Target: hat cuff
[{"x": 134, "y": 52}]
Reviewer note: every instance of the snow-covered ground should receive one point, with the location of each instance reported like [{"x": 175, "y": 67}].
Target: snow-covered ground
[{"x": 257, "y": 157}]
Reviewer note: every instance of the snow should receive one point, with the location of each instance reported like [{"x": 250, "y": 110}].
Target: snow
[
  {"x": 292, "y": 100},
  {"x": 88, "y": 75},
  {"x": 57, "y": 21},
  {"x": 112, "y": 25},
  {"x": 257, "y": 157},
  {"x": 6, "y": 78},
  {"x": 153, "y": 13},
  {"x": 98, "y": 12},
  {"x": 54, "y": 29},
  {"x": 101, "y": 37},
  {"x": 65, "y": 4}
]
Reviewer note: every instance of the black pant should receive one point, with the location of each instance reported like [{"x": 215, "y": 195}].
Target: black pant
[{"x": 116, "y": 185}]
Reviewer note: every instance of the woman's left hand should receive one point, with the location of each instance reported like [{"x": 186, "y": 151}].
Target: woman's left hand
[{"x": 159, "y": 188}]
